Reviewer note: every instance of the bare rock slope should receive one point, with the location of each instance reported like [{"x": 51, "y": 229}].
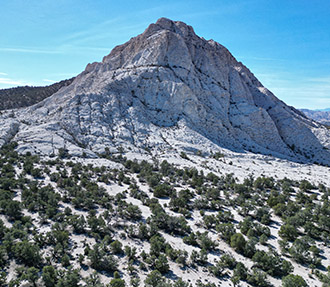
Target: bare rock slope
[{"x": 166, "y": 89}]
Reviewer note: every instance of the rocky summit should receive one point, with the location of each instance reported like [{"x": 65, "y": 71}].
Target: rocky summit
[{"x": 166, "y": 89}]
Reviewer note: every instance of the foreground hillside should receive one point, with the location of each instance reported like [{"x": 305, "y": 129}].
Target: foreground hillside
[{"x": 187, "y": 221}]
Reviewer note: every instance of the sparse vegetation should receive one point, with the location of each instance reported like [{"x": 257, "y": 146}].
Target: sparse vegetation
[{"x": 59, "y": 217}]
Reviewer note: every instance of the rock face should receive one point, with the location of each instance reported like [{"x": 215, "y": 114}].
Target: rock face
[{"x": 165, "y": 89}]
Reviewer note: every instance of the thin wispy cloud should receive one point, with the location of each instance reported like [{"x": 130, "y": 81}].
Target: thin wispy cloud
[
  {"x": 85, "y": 49},
  {"x": 7, "y": 81},
  {"x": 105, "y": 32},
  {"x": 261, "y": 59},
  {"x": 49, "y": 81},
  {"x": 298, "y": 91},
  {"x": 92, "y": 37},
  {"x": 86, "y": 32},
  {"x": 3, "y": 74},
  {"x": 30, "y": 50},
  {"x": 63, "y": 49},
  {"x": 117, "y": 27},
  {"x": 325, "y": 101},
  {"x": 198, "y": 14},
  {"x": 64, "y": 74},
  {"x": 320, "y": 80}
]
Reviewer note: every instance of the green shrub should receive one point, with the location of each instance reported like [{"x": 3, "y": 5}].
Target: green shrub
[
  {"x": 293, "y": 281},
  {"x": 238, "y": 242}
]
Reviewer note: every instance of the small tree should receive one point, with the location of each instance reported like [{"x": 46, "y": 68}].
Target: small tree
[
  {"x": 116, "y": 247},
  {"x": 49, "y": 276},
  {"x": 31, "y": 275},
  {"x": 154, "y": 279},
  {"x": 93, "y": 280},
  {"x": 116, "y": 281},
  {"x": 3, "y": 279},
  {"x": 161, "y": 264},
  {"x": 293, "y": 281},
  {"x": 71, "y": 278},
  {"x": 65, "y": 260},
  {"x": 238, "y": 242},
  {"x": 27, "y": 253},
  {"x": 240, "y": 271},
  {"x": 288, "y": 232}
]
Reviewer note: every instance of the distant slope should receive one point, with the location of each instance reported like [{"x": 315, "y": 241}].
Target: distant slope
[
  {"x": 321, "y": 116},
  {"x": 26, "y": 96}
]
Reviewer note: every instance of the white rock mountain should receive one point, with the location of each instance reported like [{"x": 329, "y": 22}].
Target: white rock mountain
[{"x": 166, "y": 89}]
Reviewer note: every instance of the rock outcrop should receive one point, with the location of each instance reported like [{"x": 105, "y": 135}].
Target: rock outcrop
[{"x": 165, "y": 89}]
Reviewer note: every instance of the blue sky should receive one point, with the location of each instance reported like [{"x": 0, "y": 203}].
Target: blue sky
[{"x": 285, "y": 43}]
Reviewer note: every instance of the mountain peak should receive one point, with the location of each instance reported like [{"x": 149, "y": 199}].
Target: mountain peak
[
  {"x": 157, "y": 39},
  {"x": 174, "y": 26},
  {"x": 167, "y": 89},
  {"x": 163, "y": 21}
]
